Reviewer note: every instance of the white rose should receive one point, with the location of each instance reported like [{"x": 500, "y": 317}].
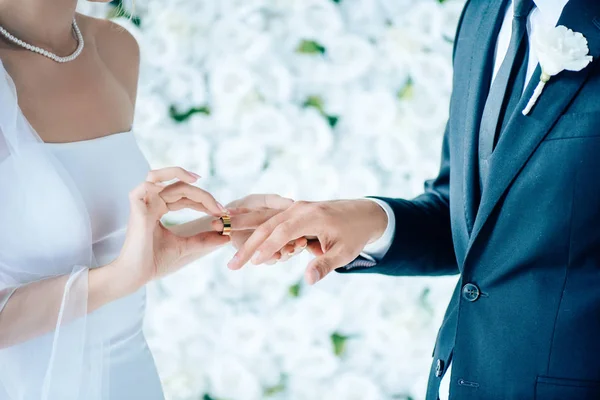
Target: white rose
[
  {"x": 233, "y": 36},
  {"x": 560, "y": 49},
  {"x": 151, "y": 111},
  {"x": 370, "y": 113},
  {"x": 364, "y": 16},
  {"x": 319, "y": 182},
  {"x": 244, "y": 335},
  {"x": 320, "y": 310},
  {"x": 230, "y": 79},
  {"x": 190, "y": 283},
  {"x": 399, "y": 44},
  {"x": 186, "y": 87},
  {"x": 274, "y": 81},
  {"x": 315, "y": 19},
  {"x": 266, "y": 125},
  {"x": 301, "y": 388},
  {"x": 396, "y": 10},
  {"x": 189, "y": 150},
  {"x": 313, "y": 137},
  {"x": 349, "y": 57},
  {"x": 352, "y": 386},
  {"x": 238, "y": 158},
  {"x": 359, "y": 181},
  {"x": 278, "y": 178},
  {"x": 362, "y": 296},
  {"x": 315, "y": 362},
  {"x": 231, "y": 379},
  {"x": 290, "y": 335},
  {"x": 425, "y": 22},
  {"x": 397, "y": 152}
]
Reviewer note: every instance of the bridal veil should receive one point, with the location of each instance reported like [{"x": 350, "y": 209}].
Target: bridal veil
[{"x": 45, "y": 255}]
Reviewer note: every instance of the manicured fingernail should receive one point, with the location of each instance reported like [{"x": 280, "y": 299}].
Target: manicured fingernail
[
  {"x": 195, "y": 175},
  {"x": 313, "y": 276},
  {"x": 234, "y": 262},
  {"x": 256, "y": 258}
]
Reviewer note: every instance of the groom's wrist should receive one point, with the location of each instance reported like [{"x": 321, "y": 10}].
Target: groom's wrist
[{"x": 376, "y": 218}]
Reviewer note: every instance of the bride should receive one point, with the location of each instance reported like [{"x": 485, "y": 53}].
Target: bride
[{"x": 80, "y": 231}]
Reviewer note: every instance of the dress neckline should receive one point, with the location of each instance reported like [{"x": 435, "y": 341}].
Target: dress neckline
[{"x": 92, "y": 140}]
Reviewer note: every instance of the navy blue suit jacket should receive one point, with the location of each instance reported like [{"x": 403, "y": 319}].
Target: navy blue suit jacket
[{"x": 524, "y": 320}]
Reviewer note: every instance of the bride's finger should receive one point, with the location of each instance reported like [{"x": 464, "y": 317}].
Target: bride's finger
[
  {"x": 187, "y": 204},
  {"x": 170, "y": 173},
  {"x": 181, "y": 190},
  {"x": 250, "y": 220},
  {"x": 144, "y": 199},
  {"x": 204, "y": 241}
]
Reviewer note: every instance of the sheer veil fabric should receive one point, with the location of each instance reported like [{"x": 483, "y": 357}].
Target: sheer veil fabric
[{"x": 45, "y": 232}]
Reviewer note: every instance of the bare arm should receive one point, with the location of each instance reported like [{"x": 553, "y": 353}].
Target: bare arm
[{"x": 33, "y": 309}]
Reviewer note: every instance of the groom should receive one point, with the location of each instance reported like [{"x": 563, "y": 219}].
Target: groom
[{"x": 515, "y": 211}]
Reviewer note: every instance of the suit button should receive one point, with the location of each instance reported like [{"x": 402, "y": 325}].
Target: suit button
[
  {"x": 470, "y": 292},
  {"x": 439, "y": 368}
]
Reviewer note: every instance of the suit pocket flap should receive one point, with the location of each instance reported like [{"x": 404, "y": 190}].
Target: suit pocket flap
[
  {"x": 548, "y": 388},
  {"x": 577, "y": 125}
]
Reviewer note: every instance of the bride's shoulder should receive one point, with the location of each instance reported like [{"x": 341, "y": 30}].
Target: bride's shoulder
[{"x": 117, "y": 49}]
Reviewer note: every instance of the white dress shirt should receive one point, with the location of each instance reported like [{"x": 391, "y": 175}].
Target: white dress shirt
[{"x": 546, "y": 12}]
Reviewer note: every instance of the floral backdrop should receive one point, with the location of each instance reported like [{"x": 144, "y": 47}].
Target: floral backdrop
[{"x": 311, "y": 99}]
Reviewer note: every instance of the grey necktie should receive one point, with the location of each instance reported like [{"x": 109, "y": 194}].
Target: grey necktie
[{"x": 506, "y": 89}]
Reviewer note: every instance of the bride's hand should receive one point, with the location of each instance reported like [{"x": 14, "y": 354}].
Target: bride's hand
[{"x": 152, "y": 251}]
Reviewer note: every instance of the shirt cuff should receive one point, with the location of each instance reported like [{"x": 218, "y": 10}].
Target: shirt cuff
[{"x": 377, "y": 250}]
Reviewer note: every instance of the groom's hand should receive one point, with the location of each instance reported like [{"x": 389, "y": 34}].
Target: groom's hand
[
  {"x": 261, "y": 207},
  {"x": 343, "y": 228}
]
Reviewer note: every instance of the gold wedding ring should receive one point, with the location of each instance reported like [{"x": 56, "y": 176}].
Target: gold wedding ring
[{"x": 226, "y": 220}]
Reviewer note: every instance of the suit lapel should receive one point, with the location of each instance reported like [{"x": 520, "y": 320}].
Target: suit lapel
[
  {"x": 523, "y": 134},
  {"x": 479, "y": 80}
]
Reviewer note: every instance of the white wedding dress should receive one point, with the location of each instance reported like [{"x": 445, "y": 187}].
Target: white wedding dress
[
  {"x": 64, "y": 210},
  {"x": 105, "y": 170}
]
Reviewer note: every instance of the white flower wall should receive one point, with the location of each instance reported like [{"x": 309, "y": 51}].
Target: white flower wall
[{"x": 311, "y": 99}]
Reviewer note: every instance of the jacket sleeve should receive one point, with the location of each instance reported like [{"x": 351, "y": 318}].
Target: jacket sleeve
[{"x": 422, "y": 243}]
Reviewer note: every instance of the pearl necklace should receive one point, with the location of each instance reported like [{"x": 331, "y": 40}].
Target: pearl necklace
[{"x": 46, "y": 53}]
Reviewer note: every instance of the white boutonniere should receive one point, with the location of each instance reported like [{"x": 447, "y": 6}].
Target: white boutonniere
[{"x": 558, "y": 49}]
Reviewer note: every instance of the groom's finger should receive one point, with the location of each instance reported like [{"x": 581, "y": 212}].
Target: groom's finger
[
  {"x": 253, "y": 219},
  {"x": 260, "y": 235},
  {"x": 324, "y": 264},
  {"x": 263, "y": 201},
  {"x": 280, "y": 236}
]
